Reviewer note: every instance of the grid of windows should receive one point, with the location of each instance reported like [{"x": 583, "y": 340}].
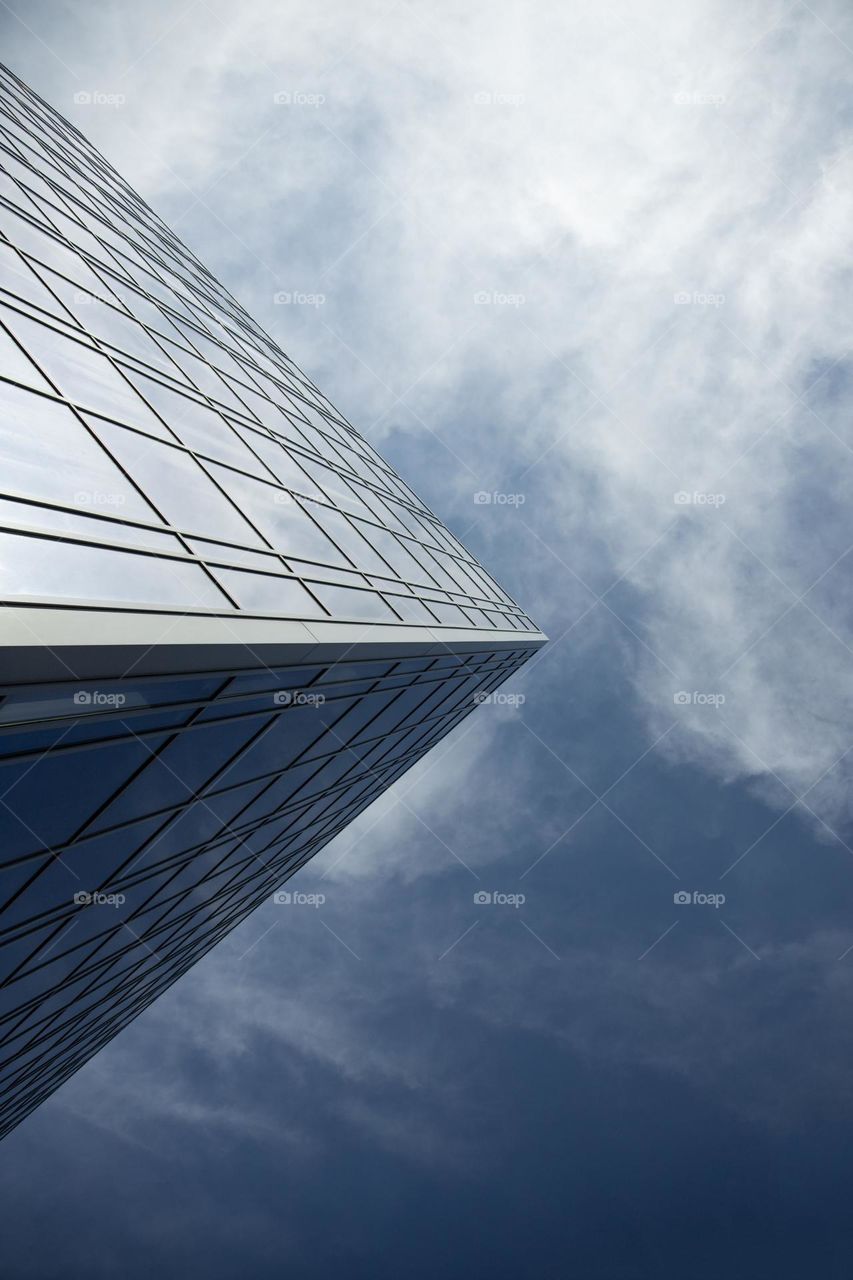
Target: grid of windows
[
  {"x": 194, "y": 464},
  {"x": 160, "y": 454},
  {"x": 179, "y": 803}
]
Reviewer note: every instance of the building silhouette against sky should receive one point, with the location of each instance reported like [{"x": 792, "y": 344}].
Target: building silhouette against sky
[{"x": 227, "y": 626}]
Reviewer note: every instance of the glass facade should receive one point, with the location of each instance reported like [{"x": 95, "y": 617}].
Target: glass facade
[
  {"x": 228, "y": 624},
  {"x": 193, "y": 462}
]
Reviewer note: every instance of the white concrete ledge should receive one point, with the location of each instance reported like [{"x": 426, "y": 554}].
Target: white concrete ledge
[{"x": 51, "y": 643}]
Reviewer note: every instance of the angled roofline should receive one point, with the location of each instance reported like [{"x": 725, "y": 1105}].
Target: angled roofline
[{"x": 47, "y": 642}]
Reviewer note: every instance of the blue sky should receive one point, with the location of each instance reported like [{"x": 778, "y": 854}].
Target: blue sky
[{"x": 596, "y": 263}]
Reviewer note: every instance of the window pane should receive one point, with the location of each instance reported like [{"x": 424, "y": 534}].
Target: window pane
[
  {"x": 82, "y": 374},
  {"x": 19, "y": 278},
  {"x": 109, "y": 324},
  {"x": 220, "y": 551},
  {"x": 40, "y": 567},
  {"x": 344, "y": 602},
  {"x": 16, "y": 365},
  {"x": 80, "y": 473},
  {"x": 44, "y": 247},
  {"x": 449, "y": 614},
  {"x": 281, "y": 464},
  {"x": 177, "y": 485},
  {"x": 395, "y": 553},
  {"x": 197, "y": 425},
  {"x": 279, "y": 517},
  {"x": 359, "y": 551},
  {"x": 263, "y": 591},
  {"x": 411, "y": 610},
  {"x": 336, "y": 489},
  {"x": 50, "y": 518}
]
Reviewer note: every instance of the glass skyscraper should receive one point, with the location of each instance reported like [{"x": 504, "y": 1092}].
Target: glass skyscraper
[{"x": 227, "y": 626}]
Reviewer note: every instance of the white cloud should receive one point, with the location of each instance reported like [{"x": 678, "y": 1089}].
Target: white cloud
[
  {"x": 599, "y": 164},
  {"x": 599, "y": 198}
]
